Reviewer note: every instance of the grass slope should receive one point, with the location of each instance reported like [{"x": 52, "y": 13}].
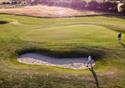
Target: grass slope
[{"x": 68, "y": 37}]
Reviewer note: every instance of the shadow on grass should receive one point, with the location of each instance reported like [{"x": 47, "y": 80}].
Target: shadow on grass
[
  {"x": 95, "y": 53},
  {"x": 95, "y": 77},
  {"x": 3, "y": 22}
]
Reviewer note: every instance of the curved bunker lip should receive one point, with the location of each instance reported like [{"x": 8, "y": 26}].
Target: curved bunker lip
[{"x": 40, "y": 59}]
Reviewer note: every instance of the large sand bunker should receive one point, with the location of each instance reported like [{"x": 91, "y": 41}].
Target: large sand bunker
[
  {"x": 72, "y": 63},
  {"x": 48, "y": 11}
]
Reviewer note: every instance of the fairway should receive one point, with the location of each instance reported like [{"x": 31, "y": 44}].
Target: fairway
[{"x": 62, "y": 38}]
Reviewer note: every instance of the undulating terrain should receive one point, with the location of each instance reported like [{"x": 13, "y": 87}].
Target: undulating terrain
[{"x": 62, "y": 37}]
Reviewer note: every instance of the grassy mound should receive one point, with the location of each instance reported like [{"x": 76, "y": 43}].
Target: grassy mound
[{"x": 69, "y": 37}]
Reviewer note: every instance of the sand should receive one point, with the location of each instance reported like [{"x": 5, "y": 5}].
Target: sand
[
  {"x": 48, "y": 11},
  {"x": 39, "y": 59}
]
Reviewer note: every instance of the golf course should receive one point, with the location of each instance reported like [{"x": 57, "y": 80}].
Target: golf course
[{"x": 74, "y": 37}]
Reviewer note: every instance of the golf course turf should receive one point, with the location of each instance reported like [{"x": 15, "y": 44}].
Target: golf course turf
[{"x": 62, "y": 37}]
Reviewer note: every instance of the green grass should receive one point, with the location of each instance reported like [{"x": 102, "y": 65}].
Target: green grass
[{"x": 62, "y": 37}]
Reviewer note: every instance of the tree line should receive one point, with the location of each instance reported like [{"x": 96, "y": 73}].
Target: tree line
[{"x": 106, "y": 6}]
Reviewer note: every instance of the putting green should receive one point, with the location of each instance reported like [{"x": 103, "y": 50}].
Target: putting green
[{"x": 84, "y": 34}]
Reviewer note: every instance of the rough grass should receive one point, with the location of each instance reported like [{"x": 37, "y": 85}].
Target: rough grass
[{"x": 68, "y": 37}]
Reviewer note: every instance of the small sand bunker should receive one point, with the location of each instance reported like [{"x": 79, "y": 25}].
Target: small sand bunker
[
  {"x": 72, "y": 63},
  {"x": 14, "y": 23}
]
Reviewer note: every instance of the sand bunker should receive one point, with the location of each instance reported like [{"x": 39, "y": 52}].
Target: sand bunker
[
  {"x": 72, "y": 63},
  {"x": 14, "y": 23},
  {"x": 48, "y": 11}
]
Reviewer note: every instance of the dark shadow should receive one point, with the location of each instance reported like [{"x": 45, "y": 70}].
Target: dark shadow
[
  {"x": 76, "y": 53},
  {"x": 3, "y": 22},
  {"x": 95, "y": 77}
]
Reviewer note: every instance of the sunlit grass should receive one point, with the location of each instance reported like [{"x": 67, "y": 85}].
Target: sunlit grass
[{"x": 62, "y": 36}]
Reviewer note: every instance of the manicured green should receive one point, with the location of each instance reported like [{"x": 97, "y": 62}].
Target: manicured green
[{"x": 62, "y": 37}]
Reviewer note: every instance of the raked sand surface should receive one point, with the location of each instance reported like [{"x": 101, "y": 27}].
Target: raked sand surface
[{"x": 39, "y": 59}]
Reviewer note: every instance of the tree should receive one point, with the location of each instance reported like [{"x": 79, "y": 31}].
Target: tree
[
  {"x": 109, "y": 6},
  {"x": 123, "y": 9},
  {"x": 94, "y": 5}
]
